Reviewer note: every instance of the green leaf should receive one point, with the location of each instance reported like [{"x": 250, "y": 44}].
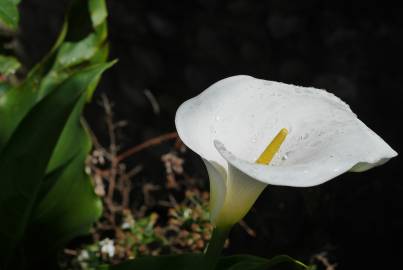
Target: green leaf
[
  {"x": 4, "y": 87},
  {"x": 14, "y": 104},
  {"x": 72, "y": 140},
  {"x": 58, "y": 65},
  {"x": 84, "y": 43},
  {"x": 195, "y": 262},
  {"x": 87, "y": 33},
  {"x": 17, "y": 101},
  {"x": 241, "y": 262},
  {"x": 70, "y": 208},
  {"x": 63, "y": 200},
  {"x": 247, "y": 262},
  {"x": 73, "y": 53},
  {"x": 23, "y": 161},
  {"x": 170, "y": 262},
  {"x": 98, "y": 12},
  {"x": 8, "y": 65},
  {"x": 9, "y": 13}
]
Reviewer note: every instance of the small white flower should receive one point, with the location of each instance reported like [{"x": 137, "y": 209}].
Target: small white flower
[
  {"x": 107, "y": 247},
  {"x": 83, "y": 256},
  {"x": 126, "y": 225},
  {"x": 231, "y": 123}
]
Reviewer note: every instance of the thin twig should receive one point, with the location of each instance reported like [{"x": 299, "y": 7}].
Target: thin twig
[
  {"x": 247, "y": 229},
  {"x": 146, "y": 144},
  {"x": 154, "y": 103},
  {"x": 113, "y": 154},
  {"x": 322, "y": 258}
]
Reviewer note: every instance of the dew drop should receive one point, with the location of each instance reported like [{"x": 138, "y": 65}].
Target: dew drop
[
  {"x": 286, "y": 155},
  {"x": 254, "y": 139}
]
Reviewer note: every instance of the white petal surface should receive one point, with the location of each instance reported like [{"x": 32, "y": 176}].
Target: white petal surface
[
  {"x": 244, "y": 114},
  {"x": 218, "y": 187},
  {"x": 241, "y": 193}
]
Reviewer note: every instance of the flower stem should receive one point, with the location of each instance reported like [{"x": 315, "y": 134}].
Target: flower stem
[{"x": 214, "y": 248}]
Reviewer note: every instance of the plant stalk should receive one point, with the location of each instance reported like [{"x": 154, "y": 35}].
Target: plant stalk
[{"x": 214, "y": 248}]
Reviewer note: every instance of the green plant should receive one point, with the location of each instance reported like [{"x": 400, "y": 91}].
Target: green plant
[{"x": 46, "y": 198}]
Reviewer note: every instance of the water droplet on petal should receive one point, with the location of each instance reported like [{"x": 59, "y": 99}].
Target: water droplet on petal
[
  {"x": 254, "y": 139},
  {"x": 287, "y": 155}
]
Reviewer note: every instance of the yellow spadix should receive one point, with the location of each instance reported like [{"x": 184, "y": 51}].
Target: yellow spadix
[{"x": 273, "y": 147}]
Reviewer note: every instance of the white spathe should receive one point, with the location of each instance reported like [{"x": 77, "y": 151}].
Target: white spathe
[{"x": 231, "y": 123}]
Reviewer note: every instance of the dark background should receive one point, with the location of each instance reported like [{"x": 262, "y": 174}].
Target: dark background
[{"x": 175, "y": 49}]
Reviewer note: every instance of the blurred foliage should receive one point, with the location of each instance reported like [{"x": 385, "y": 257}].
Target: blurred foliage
[
  {"x": 9, "y": 13},
  {"x": 8, "y": 65},
  {"x": 46, "y": 198},
  {"x": 125, "y": 233},
  {"x": 187, "y": 230}
]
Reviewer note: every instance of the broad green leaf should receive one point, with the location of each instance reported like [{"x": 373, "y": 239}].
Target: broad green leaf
[
  {"x": 14, "y": 105},
  {"x": 73, "y": 135},
  {"x": 23, "y": 161},
  {"x": 91, "y": 50},
  {"x": 72, "y": 140},
  {"x": 9, "y": 13},
  {"x": 8, "y": 65},
  {"x": 69, "y": 208}
]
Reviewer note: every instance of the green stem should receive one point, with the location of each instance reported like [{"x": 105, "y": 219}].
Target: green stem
[{"x": 214, "y": 248}]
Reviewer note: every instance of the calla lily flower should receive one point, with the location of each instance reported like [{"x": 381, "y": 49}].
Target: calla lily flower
[{"x": 313, "y": 136}]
